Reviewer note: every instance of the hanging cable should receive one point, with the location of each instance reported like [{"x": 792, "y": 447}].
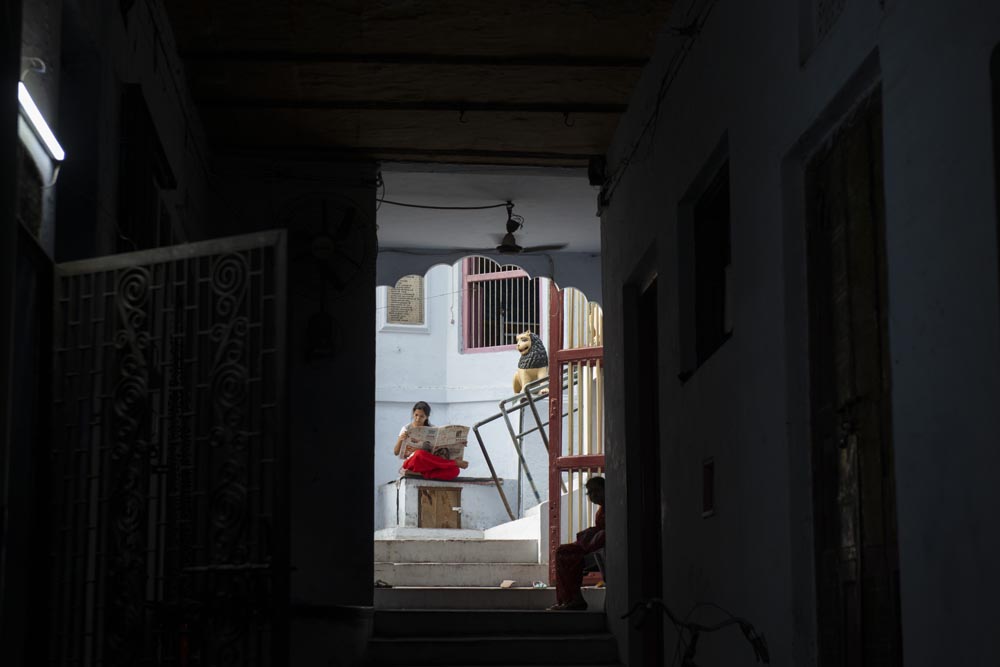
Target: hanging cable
[
  {"x": 441, "y": 208},
  {"x": 690, "y": 32},
  {"x": 380, "y": 183}
]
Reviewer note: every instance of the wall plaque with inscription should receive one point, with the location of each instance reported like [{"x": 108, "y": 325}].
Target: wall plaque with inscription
[{"x": 405, "y": 302}]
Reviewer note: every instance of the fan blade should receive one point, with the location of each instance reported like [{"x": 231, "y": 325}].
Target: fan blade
[
  {"x": 543, "y": 248},
  {"x": 439, "y": 251},
  {"x": 329, "y": 273},
  {"x": 340, "y": 253},
  {"x": 345, "y": 223}
]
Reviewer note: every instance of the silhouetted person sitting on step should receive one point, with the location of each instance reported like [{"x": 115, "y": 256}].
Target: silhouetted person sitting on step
[{"x": 570, "y": 557}]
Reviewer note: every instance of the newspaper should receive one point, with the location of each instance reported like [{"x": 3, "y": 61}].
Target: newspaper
[{"x": 445, "y": 441}]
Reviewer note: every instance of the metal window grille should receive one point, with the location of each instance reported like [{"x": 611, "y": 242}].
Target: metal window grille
[{"x": 500, "y": 301}]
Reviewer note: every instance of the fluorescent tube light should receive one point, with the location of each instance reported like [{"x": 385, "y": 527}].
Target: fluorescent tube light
[{"x": 38, "y": 123}]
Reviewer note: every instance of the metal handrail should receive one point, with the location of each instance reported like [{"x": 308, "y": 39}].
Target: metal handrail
[
  {"x": 530, "y": 397},
  {"x": 527, "y": 398}
]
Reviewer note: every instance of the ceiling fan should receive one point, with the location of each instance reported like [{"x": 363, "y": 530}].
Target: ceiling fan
[{"x": 508, "y": 244}]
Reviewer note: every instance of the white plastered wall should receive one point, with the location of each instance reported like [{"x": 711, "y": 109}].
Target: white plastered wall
[{"x": 745, "y": 407}]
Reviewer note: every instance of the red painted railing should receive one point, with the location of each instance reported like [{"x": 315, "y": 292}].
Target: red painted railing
[{"x": 560, "y": 357}]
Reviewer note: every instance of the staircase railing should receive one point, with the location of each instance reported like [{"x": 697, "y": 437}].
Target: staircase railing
[
  {"x": 576, "y": 348},
  {"x": 532, "y": 393},
  {"x": 576, "y": 357}
]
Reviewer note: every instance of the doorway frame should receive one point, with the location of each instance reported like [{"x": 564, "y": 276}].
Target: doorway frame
[
  {"x": 863, "y": 83},
  {"x": 644, "y": 275}
]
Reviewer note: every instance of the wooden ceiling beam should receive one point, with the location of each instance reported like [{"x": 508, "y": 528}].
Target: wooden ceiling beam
[
  {"x": 430, "y": 105},
  {"x": 410, "y": 83},
  {"x": 441, "y": 27},
  {"x": 411, "y": 154},
  {"x": 458, "y": 60},
  {"x": 405, "y": 150},
  {"x": 585, "y": 134}
]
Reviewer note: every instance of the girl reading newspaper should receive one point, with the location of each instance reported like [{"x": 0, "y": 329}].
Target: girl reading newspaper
[{"x": 433, "y": 453}]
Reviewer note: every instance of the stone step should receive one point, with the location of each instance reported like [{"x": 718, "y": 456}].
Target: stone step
[
  {"x": 414, "y": 533},
  {"x": 420, "y": 597},
  {"x": 563, "y": 649},
  {"x": 428, "y": 622},
  {"x": 456, "y": 551},
  {"x": 460, "y": 574}
]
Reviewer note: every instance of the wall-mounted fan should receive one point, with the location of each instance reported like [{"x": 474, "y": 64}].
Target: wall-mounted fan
[
  {"x": 508, "y": 244},
  {"x": 329, "y": 242}
]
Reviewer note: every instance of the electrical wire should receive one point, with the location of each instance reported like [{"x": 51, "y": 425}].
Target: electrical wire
[
  {"x": 442, "y": 208},
  {"x": 687, "y": 15},
  {"x": 690, "y": 32},
  {"x": 380, "y": 182},
  {"x": 756, "y": 640}
]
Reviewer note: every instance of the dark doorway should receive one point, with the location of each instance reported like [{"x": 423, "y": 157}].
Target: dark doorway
[
  {"x": 645, "y": 502},
  {"x": 854, "y": 496}
]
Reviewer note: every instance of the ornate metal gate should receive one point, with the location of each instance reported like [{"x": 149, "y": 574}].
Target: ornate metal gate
[{"x": 167, "y": 472}]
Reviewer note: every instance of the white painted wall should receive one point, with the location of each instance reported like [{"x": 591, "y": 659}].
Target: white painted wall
[
  {"x": 581, "y": 270},
  {"x": 428, "y": 364},
  {"x": 398, "y": 503},
  {"x": 747, "y": 406}
]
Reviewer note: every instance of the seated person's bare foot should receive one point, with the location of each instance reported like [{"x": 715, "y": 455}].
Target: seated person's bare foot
[
  {"x": 578, "y": 604},
  {"x": 462, "y": 463}
]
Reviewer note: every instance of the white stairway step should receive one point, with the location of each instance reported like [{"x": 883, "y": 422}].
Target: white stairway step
[
  {"x": 456, "y": 551},
  {"x": 428, "y": 622},
  {"x": 480, "y": 598},
  {"x": 460, "y": 574},
  {"x": 414, "y": 533},
  {"x": 583, "y": 649}
]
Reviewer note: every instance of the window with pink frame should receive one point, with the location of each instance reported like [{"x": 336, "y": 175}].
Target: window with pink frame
[{"x": 499, "y": 302}]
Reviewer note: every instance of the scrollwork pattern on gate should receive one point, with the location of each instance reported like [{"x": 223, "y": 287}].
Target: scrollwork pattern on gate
[
  {"x": 230, "y": 277},
  {"x": 128, "y": 462},
  {"x": 165, "y": 465},
  {"x": 229, "y": 381}
]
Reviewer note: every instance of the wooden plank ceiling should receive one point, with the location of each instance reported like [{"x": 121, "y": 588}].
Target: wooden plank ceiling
[{"x": 533, "y": 83}]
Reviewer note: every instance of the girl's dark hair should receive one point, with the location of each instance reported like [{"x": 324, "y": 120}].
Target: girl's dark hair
[{"x": 423, "y": 405}]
